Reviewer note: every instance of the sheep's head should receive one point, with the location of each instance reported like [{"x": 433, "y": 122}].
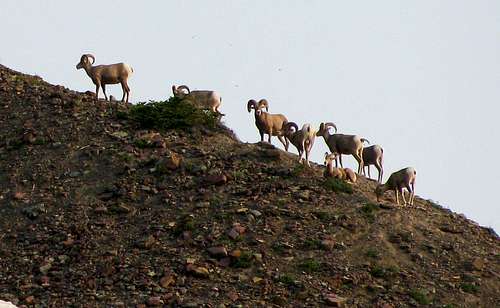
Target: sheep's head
[
  {"x": 323, "y": 128},
  {"x": 180, "y": 91},
  {"x": 329, "y": 158},
  {"x": 290, "y": 128},
  {"x": 263, "y": 103},
  {"x": 85, "y": 62},
  {"x": 252, "y": 104}
]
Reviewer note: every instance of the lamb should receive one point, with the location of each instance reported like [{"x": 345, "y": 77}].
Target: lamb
[
  {"x": 270, "y": 124},
  {"x": 373, "y": 155},
  {"x": 102, "y": 75},
  {"x": 302, "y": 139},
  {"x": 343, "y": 144},
  {"x": 404, "y": 178},
  {"x": 205, "y": 98},
  {"x": 339, "y": 173}
]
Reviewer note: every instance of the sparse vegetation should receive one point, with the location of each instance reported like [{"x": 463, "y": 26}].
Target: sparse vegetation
[
  {"x": 420, "y": 297},
  {"x": 338, "y": 186},
  {"x": 244, "y": 261},
  {"x": 286, "y": 279},
  {"x": 312, "y": 244},
  {"x": 174, "y": 113},
  {"x": 310, "y": 266},
  {"x": 369, "y": 210},
  {"x": 469, "y": 287},
  {"x": 372, "y": 253}
]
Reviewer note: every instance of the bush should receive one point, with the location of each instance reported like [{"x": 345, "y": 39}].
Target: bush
[
  {"x": 469, "y": 288},
  {"x": 337, "y": 185},
  {"x": 310, "y": 266},
  {"x": 420, "y": 297},
  {"x": 173, "y": 113}
]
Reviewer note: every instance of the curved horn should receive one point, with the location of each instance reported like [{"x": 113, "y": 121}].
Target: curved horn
[
  {"x": 365, "y": 140},
  {"x": 91, "y": 56},
  {"x": 252, "y": 104},
  {"x": 179, "y": 88},
  {"x": 289, "y": 125},
  {"x": 174, "y": 89},
  {"x": 330, "y": 124},
  {"x": 263, "y": 103}
]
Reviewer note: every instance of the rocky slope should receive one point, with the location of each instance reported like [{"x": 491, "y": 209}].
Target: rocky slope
[{"x": 95, "y": 212}]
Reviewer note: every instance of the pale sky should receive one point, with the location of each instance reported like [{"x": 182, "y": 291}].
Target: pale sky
[{"x": 420, "y": 78}]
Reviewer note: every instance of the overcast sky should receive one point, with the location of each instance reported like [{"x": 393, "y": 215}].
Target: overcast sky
[{"x": 421, "y": 78}]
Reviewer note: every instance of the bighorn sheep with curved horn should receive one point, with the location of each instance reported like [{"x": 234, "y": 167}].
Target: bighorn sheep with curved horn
[
  {"x": 404, "y": 178},
  {"x": 271, "y": 124},
  {"x": 373, "y": 155},
  {"x": 204, "y": 98},
  {"x": 102, "y": 75},
  {"x": 302, "y": 139},
  {"x": 343, "y": 144}
]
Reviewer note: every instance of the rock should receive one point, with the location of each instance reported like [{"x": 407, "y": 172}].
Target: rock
[
  {"x": 215, "y": 179},
  {"x": 167, "y": 281},
  {"x": 327, "y": 244},
  {"x": 477, "y": 264},
  {"x": 197, "y": 271},
  {"x": 29, "y": 300},
  {"x": 74, "y": 174},
  {"x": 7, "y": 304},
  {"x": 235, "y": 253},
  {"x": 334, "y": 300},
  {"x": 218, "y": 251},
  {"x": 155, "y": 301},
  {"x": 146, "y": 242},
  {"x": 255, "y": 213}
]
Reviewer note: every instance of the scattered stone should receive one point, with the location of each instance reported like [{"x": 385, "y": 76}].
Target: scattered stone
[
  {"x": 335, "y": 300},
  {"x": 218, "y": 251},
  {"x": 197, "y": 271},
  {"x": 146, "y": 242},
  {"x": 215, "y": 179},
  {"x": 167, "y": 281},
  {"x": 155, "y": 301},
  {"x": 327, "y": 244}
]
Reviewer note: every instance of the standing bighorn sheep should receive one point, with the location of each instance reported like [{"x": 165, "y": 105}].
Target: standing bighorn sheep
[
  {"x": 302, "y": 139},
  {"x": 204, "y": 98},
  {"x": 343, "y": 144},
  {"x": 404, "y": 178},
  {"x": 373, "y": 155},
  {"x": 270, "y": 124},
  {"x": 340, "y": 173},
  {"x": 102, "y": 75}
]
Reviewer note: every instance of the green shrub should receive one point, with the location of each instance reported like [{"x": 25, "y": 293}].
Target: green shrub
[
  {"x": 310, "y": 266},
  {"x": 420, "y": 297},
  {"x": 286, "y": 279},
  {"x": 469, "y": 288},
  {"x": 173, "y": 113},
  {"x": 338, "y": 186},
  {"x": 244, "y": 261},
  {"x": 312, "y": 244}
]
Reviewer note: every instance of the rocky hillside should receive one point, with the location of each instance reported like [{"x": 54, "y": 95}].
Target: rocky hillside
[{"x": 97, "y": 212}]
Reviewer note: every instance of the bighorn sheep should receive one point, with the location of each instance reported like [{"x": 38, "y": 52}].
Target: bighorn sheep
[
  {"x": 404, "y": 178},
  {"x": 343, "y": 144},
  {"x": 302, "y": 139},
  {"x": 340, "y": 173},
  {"x": 271, "y": 124},
  {"x": 373, "y": 155},
  {"x": 204, "y": 98},
  {"x": 102, "y": 75}
]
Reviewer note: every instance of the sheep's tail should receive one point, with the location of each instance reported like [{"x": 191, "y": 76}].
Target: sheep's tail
[{"x": 365, "y": 140}]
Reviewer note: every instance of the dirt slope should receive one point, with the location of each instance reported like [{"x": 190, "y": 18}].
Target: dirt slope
[{"x": 95, "y": 212}]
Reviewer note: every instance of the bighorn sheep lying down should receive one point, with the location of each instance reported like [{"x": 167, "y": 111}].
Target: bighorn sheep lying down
[
  {"x": 343, "y": 144},
  {"x": 270, "y": 124},
  {"x": 404, "y": 178},
  {"x": 302, "y": 139},
  {"x": 204, "y": 98},
  {"x": 373, "y": 155},
  {"x": 345, "y": 174},
  {"x": 102, "y": 75}
]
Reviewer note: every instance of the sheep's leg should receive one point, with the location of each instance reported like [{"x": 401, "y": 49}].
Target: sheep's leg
[
  {"x": 380, "y": 172},
  {"x": 369, "y": 175},
  {"x": 412, "y": 193},
  {"x": 97, "y": 86},
  {"x": 128, "y": 90},
  {"x": 360, "y": 162},
  {"x": 104, "y": 91},
  {"x": 280, "y": 138},
  {"x": 340, "y": 159},
  {"x": 307, "y": 156},
  {"x": 397, "y": 196},
  {"x": 261, "y": 136},
  {"x": 124, "y": 91}
]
